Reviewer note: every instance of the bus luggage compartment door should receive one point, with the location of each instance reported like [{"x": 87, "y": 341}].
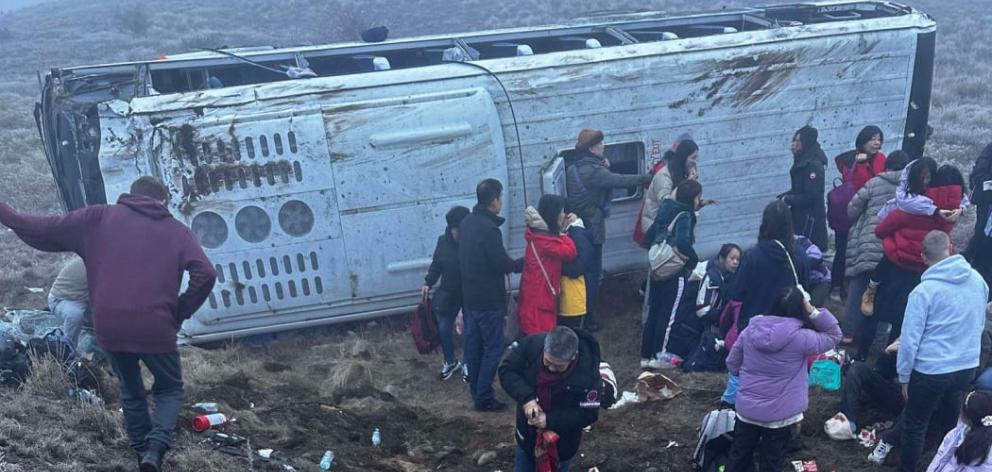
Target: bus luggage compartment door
[{"x": 400, "y": 164}]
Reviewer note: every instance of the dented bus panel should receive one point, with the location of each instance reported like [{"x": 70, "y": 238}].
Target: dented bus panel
[{"x": 320, "y": 199}]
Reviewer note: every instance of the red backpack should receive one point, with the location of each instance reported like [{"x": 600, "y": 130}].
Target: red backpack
[
  {"x": 638, "y": 230},
  {"x": 423, "y": 326}
]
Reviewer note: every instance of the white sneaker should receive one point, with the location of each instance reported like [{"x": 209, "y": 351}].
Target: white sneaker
[
  {"x": 880, "y": 452},
  {"x": 645, "y": 363},
  {"x": 448, "y": 370}
]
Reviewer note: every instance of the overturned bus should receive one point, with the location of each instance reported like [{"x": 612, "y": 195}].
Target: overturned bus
[{"x": 317, "y": 177}]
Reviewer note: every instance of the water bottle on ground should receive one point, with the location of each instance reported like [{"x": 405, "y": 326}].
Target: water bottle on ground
[
  {"x": 376, "y": 437},
  {"x": 205, "y": 422},
  {"x": 327, "y": 460}
]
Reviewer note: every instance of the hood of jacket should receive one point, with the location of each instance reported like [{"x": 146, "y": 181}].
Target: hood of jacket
[
  {"x": 578, "y": 223},
  {"x": 670, "y": 208},
  {"x": 533, "y": 219},
  {"x": 772, "y": 333},
  {"x": 893, "y": 177},
  {"x": 954, "y": 270},
  {"x": 811, "y": 155},
  {"x": 146, "y": 206},
  {"x": 946, "y": 197}
]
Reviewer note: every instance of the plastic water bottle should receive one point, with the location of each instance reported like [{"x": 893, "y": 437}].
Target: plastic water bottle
[
  {"x": 205, "y": 422},
  {"x": 327, "y": 460},
  {"x": 206, "y": 407},
  {"x": 376, "y": 437}
]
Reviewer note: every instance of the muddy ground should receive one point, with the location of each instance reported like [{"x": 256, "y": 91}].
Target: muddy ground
[{"x": 323, "y": 389}]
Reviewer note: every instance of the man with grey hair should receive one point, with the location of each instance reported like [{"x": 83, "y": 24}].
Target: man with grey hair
[
  {"x": 940, "y": 343},
  {"x": 555, "y": 379}
]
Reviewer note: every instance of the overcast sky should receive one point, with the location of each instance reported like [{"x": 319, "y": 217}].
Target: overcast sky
[{"x": 11, "y": 5}]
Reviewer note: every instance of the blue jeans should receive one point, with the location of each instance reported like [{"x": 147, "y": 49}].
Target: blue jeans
[
  {"x": 853, "y": 318},
  {"x": 730, "y": 393},
  {"x": 144, "y": 428},
  {"x": 483, "y": 350},
  {"x": 524, "y": 462},
  {"x": 984, "y": 380},
  {"x": 446, "y": 330},
  {"x": 72, "y": 314}
]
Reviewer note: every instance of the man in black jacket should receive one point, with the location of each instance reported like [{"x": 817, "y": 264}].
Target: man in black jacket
[
  {"x": 555, "y": 379},
  {"x": 805, "y": 198},
  {"x": 979, "y": 251},
  {"x": 484, "y": 265},
  {"x": 590, "y": 185}
]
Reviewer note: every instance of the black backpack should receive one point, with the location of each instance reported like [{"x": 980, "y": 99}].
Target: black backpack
[
  {"x": 14, "y": 365},
  {"x": 705, "y": 357},
  {"x": 56, "y": 345}
]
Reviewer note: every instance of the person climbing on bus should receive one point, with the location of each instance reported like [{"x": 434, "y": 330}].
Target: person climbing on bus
[
  {"x": 447, "y": 300},
  {"x": 589, "y": 184},
  {"x": 546, "y": 250},
  {"x": 673, "y": 170}
]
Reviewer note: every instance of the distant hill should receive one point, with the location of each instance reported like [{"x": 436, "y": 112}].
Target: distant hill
[{"x": 11, "y": 5}]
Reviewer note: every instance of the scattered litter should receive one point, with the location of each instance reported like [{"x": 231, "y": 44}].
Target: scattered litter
[
  {"x": 838, "y": 427},
  {"x": 805, "y": 466},
  {"x": 206, "y": 407},
  {"x": 288, "y": 468},
  {"x": 625, "y": 399},
  {"x": 36, "y": 290},
  {"x": 204, "y": 422},
  {"x": 266, "y": 453},
  {"x": 868, "y": 437},
  {"x": 653, "y": 386},
  {"x": 327, "y": 460},
  {"x": 84, "y": 396},
  {"x": 671, "y": 444},
  {"x": 376, "y": 437},
  {"x": 594, "y": 469},
  {"x": 251, "y": 405}
]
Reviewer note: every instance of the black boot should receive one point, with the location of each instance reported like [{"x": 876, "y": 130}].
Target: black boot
[{"x": 151, "y": 461}]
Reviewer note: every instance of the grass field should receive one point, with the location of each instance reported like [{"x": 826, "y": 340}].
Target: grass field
[{"x": 309, "y": 375}]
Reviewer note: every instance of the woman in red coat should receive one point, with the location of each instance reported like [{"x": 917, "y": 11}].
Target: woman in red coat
[
  {"x": 902, "y": 236},
  {"x": 857, "y": 166},
  {"x": 544, "y": 254}
]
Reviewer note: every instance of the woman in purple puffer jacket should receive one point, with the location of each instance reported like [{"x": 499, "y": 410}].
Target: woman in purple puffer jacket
[{"x": 770, "y": 359}]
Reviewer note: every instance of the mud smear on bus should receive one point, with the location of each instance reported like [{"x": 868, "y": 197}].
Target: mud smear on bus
[{"x": 745, "y": 80}]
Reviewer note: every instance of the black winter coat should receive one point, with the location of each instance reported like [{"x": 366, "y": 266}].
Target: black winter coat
[
  {"x": 806, "y": 197},
  {"x": 763, "y": 273},
  {"x": 483, "y": 261},
  {"x": 575, "y": 402},
  {"x": 583, "y": 245},
  {"x": 590, "y": 187},
  {"x": 445, "y": 266}
]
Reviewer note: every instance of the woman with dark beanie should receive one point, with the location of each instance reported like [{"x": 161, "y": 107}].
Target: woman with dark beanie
[{"x": 857, "y": 166}]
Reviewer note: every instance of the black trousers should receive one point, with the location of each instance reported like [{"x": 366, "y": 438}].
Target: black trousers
[
  {"x": 663, "y": 300},
  {"x": 149, "y": 429},
  {"x": 864, "y": 385},
  {"x": 894, "y": 287},
  {"x": 574, "y": 322},
  {"x": 769, "y": 443},
  {"x": 840, "y": 259},
  {"x": 930, "y": 396}
]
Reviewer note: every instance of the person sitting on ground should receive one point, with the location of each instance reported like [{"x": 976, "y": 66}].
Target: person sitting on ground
[
  {"x": 574, "y": 296},
  {"x": 966, "y": 447},
  {"x": 769, "y": 358},
  {"x": 702, "y": 312},
  {"x": 675, "y": 223},
  {"x": 940, "y": 344},
  {"x": 864, "y": 249},
  {"x": 555, "y": 379},
  {"x": 136, "y": 255},
  {"x": 878, "y": 387},
  {"x": 546, "y": 250},
  {"x": 447, "y": 301},
  {"x": 69, "y": 299}
]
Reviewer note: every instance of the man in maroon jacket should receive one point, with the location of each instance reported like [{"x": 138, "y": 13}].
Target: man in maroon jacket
[{"x": 135, "y": 254}]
